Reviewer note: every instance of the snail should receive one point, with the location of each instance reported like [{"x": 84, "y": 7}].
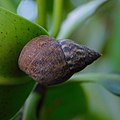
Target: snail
[{"x": 50, "y": 62}]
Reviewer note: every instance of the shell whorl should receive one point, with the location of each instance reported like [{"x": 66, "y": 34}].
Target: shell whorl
[
  {"x": 77, "y": 56},
  {"x": 43, "y": 59}
]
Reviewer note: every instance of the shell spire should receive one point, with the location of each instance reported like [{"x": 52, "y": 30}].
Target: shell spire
[{"x": 78, "y": 56}]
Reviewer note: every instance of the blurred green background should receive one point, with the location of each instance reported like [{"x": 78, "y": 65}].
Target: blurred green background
[{"x": 101, "y": 31}]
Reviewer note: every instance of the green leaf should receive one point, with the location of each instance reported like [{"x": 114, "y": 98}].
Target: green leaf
[
  {"x": 112, "y": 85},
  {"x": 30, "y": 106},
  {"x": 15, "y": 86},
  {"x": 78, "y": 16},
  {"x": 64, "y": 102},
  {"x": 34, "y": 103},
  {"x": 114, "y": 43},
  {"x": 110, "y": 81},
  {"x": 15, "y": 32},
  {"x": 12, "y": 98},
  {"x": 10, "y": 4}
]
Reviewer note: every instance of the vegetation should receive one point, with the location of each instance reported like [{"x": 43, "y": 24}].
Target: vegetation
[{"x": 92, "y": 94}]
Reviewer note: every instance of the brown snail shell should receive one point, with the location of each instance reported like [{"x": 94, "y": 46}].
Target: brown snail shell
[{"x": 50, "y": 62}]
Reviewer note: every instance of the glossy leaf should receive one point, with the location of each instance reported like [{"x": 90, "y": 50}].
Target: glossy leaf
[
  {"x": 114, "y": 44},
  {"x": 64, "y": 102},
  {"x": 34, "y": 103},
  {"x": 15, "y": 86},
  {"x": 111, "y": 81},
  {"x": 112, "y": 85},
  {"x": 78, "y": 16},
  {"x": 15, "y": 32},
  {"x": 12, "y": 98},
  {"x": 10, "y": 4}
]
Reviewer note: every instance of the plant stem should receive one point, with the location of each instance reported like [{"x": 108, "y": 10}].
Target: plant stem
[
  {"x": 57, "y": 17},
  {"x": 34, "y": 103},
  {"x": 94, "y": 77},
  {"x": 41, "y": 19}
]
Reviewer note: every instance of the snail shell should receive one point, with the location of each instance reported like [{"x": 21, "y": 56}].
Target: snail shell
[{"x": 51, "y": 62}]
